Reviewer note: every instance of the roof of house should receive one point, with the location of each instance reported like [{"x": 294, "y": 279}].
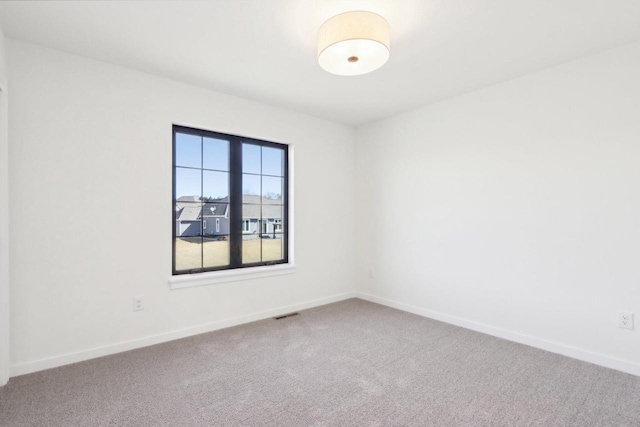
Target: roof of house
[
  {"x": 215, "y": 210},
  {"x": 256, "y": 199},
  {"x": 188, "y": 212},
  {"x": 264, "y": 211},
  {"x": 189, "y": 208},
  {"x": 255, "y": 206}
]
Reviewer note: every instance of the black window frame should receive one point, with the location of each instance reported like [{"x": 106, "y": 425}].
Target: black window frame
[{"x": 235, "y": 200}]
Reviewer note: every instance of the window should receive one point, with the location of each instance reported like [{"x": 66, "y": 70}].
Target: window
[{"x": 230, "y": 202}]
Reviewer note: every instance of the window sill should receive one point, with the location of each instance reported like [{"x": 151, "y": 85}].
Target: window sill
[{"x": 214, "y": 277}]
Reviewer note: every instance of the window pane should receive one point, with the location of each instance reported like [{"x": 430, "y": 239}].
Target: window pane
[
  {"x": 272, "y": 248},
  {"x": 188, "y": 184},
  {"x": 215, "y": 154},
  {"x": 272, "y": 161},
  {"x": 251, "y": 218},
  {"x": 215, "y": 219},
  {"x": 250, "y": 158},
  {"x": 188, "y": 219},
  {"x": 272, "y": 220},
  {"x": 251, "y": 187},
  {"x": 215, "y": 251},
  {"x": 188, "y": 253},
  {"x": 215, "y": 186},
  {"x": 251, "y": 249},
  {"x": 188, "y": 150},
  {"x": 272, "y": 189}
]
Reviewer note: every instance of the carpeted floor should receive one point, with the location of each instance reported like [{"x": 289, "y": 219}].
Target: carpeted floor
[{"x": 343, "y": 364}]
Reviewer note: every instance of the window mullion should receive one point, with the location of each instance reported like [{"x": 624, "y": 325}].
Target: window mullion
[
  {"x": 201, "y": 202},
  {"x": 235, "y": 202}
]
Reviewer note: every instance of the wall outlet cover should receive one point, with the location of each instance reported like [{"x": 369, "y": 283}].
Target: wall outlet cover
[
  {"x": 138, "y": 303},
  {"x": 625, "y": 319}
]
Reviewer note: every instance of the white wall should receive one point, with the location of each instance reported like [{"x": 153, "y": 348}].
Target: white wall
[
  {"x": 514, "y": 209},
  {"x": 90, "y": 160},
  {"x": 4, "y": 221}
]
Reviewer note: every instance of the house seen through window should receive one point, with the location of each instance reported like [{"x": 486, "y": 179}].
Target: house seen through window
[{"x": 230, "y": 201}]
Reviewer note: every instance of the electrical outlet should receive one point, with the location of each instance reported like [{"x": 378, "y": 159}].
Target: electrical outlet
[
  {"x": 625, "y": 319},
  {"x": 138, "y": 303},
  {"x": 371, "y": 274}
]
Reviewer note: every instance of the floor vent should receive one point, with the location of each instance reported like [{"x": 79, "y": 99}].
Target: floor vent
[{"x": 284, "y": 316}]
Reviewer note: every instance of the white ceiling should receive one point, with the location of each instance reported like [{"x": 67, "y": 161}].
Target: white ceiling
[{"x": 265, "y": 49}]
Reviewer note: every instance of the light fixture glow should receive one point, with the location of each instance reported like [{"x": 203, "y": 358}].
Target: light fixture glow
[{"x": 353, "y": 43}]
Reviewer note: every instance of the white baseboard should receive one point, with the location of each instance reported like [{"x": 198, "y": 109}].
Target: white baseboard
[
  {"x": 554, "y": 347},
  {"x": 551, "y": 346},
  {"x": 92, "y": 353}
]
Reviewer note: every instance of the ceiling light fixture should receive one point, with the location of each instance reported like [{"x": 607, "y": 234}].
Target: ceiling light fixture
[{"x": 353, "y": 43}]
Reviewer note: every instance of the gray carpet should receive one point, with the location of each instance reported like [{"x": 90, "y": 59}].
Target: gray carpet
[{"x": 349, "y": 363}]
